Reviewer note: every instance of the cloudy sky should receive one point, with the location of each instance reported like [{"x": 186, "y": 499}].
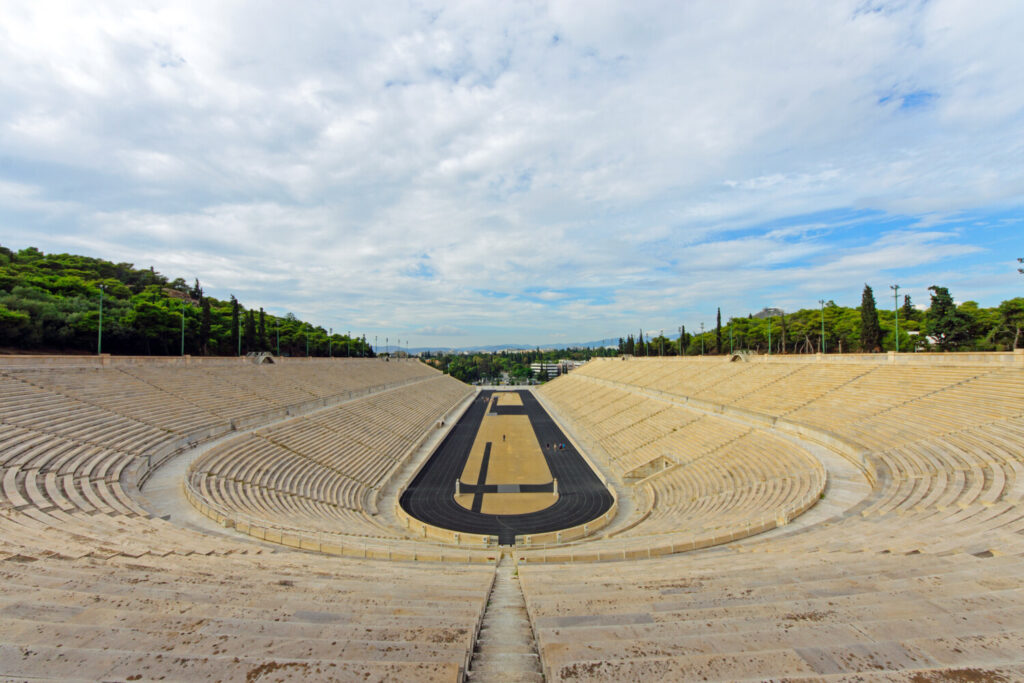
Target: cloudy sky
[{"x": 476, "y": 173}]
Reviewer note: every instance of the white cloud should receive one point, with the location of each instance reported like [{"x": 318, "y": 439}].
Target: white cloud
[
  {"x": 417, "y": 167},
  {"x": 440, "y": 331}
]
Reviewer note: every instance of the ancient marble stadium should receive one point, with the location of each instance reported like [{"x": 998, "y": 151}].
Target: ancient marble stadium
[{"x": 799, "y": 518}]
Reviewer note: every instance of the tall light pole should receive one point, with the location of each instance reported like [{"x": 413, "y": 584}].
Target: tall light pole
[
  {"x": 682, "y": 351},
  {"x": 306, "y": 328},
  {"x": 349, "y": 333},
  {"x": 661, "y": 343},
  {"x": 730, "y": 338},
  {"x": 99, "y": 332},
  {"x": 822, "y": 345},
  {"x": 330, "y": 342},
  {"x": 896, "y": 311},
  {"x": 278, "y": 321},
  {"x": 769, "y": 335},
  {"x": 375, "y": 343},
  {"x": 702, "y": 339}
]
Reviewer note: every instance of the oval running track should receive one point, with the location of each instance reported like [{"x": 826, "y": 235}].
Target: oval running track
[{"x": 581, "y": 495}]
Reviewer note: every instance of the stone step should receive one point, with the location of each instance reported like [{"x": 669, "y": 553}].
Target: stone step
[{"x": 505, "y": 649}]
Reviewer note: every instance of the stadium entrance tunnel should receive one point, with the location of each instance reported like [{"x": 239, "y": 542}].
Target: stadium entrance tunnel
[{"x": 507, "y": 471}]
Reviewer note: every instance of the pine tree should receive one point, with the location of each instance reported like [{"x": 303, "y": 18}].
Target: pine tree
[
  {"x": 948, "y": 325},
  {"x": 630, "y": 345},
  {"x": 870, "y": 330},
  {"x": 718, "y": 332},
  {"x": 640, "y": 350},
  {"x": 907, "y": 312},
  {"x": 682, "y": 340}
]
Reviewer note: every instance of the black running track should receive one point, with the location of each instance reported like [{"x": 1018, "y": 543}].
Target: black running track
[{"x": 430, "y": 497}]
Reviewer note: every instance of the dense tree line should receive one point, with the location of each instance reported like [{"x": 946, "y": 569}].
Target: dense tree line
[
  {"x": 943, "y": 326},
  {"x": 52, "y": 302},
  {"x": 492, "y": 367}
]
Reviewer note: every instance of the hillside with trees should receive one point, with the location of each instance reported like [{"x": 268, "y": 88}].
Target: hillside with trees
[
  {"x": 943, "y": 326},
  {"x": 52, "y": 303}
]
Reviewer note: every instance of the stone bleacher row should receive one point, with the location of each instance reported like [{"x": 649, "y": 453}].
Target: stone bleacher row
[
  {"x": 921, "y": 581},
  {"x": 711, "y": 480},
  {"x": 94, "y": 587},
  {"x": 320, "y": 472}
]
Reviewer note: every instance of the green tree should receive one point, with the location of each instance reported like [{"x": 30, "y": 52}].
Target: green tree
[
  {"x": 945, "y": 323},
  {"x": 870, "y": 330},
  {"x": 263, "y": 331},
  {"x": 1011, "y": 319},
  {"x": 250, "y": 331},
  {"x": 782, "y": 333},
  {"x": 907, "y": 311},
  {"x": 235, "y": 329}
]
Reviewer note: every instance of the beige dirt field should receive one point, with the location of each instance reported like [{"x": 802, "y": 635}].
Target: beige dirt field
[
  {"x": 515, "y": 503},
  {"x": 509, "y": 398},
  {"x": 516, "y": 458}
]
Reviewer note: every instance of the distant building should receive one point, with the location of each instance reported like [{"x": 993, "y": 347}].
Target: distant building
[
  {"x": 769, "y": 312},
  {"x": 548, "y": 370},
  {"x": 555, "y": 369},
  {"x": 569, "y": 365}
]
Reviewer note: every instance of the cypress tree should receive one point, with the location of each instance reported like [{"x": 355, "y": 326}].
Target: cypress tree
[
  {"x": 263, "y": 331},
  {"x": 718, "y": 332},
  {"x": 682, "y": 340},
  {"x": 870, "y": 330}
]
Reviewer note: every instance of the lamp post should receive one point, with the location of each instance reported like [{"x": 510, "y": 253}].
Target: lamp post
[
  {"x": 702, "y": 339},
  {"x": 896, "y": 311},
  {"x": 682, "y": 351},
  {"x": 769, "y": 335},
  {"x": 349, "y": 333},
  {"x": 822, "y": 345},
  {"x": 375, "y": 343},
  {"x": 730, "y": 338},
  {"x": 330, "y": 342},
  {"x": 278, "y": 321},
  {"x": 661, "y": 343},
  {"x": 306, "y": 329},
  {"x": 99, "y": 332}
]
